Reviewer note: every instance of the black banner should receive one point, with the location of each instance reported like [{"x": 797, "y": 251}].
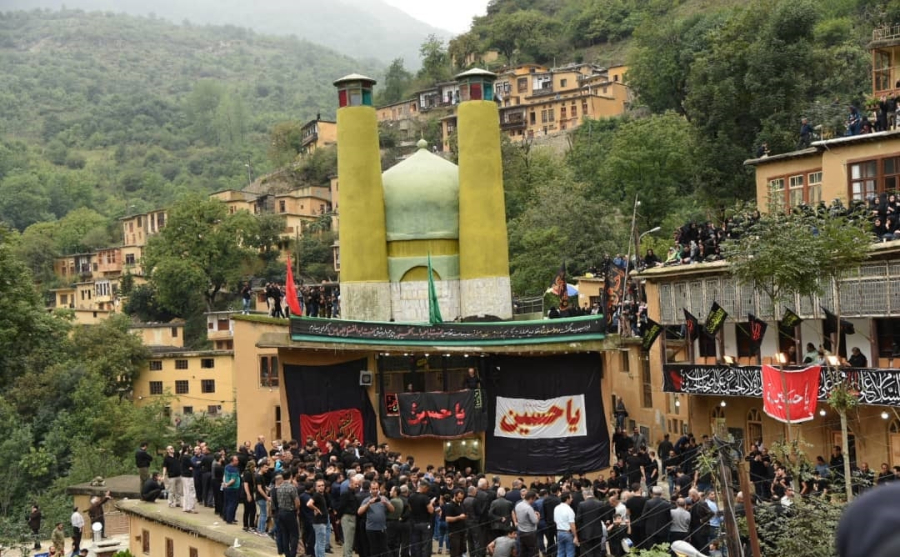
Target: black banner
[
  {"x": 757, "y": 330},
  {"x": 831, "y": 320},
  {"x": 790, "y": 319},
  {"x": 315, "y": 390},
  {"x": 613, "y": 288},
  {"x": 444, "y": 415},
  {"x": 652, "y": 329},
  {"x": 692, "y": 324},
  {"x": 543, "y": 378},
  {"x": 875, "y": 386},
  {"x": 591, "y": 327},
  {"x": 715, "y": 320}
]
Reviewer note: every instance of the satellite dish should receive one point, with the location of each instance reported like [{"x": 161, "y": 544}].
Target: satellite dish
[
  {"x": 96, "y": 527},
  {"x": 684, "y": 549}
]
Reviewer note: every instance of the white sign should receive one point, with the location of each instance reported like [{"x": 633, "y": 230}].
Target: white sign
[{"x": 524, "y": 418}]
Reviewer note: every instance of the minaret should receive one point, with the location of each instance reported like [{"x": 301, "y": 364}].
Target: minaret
[
  {"x": 484, "y": 286},
  {"x": 365, "y": 285}
]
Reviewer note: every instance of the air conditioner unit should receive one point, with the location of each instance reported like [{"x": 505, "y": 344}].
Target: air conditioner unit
[{"x": 365, "y": 378}]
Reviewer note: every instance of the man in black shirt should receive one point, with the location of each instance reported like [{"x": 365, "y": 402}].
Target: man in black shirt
[
  {"x": 152, "y": 489},
  {"x": 143, "y": 460},
  {"x": 421, "y": 510},
  {"x": 550, "y": 503},
  {"x": 456, "y": 524},
  {"x": 319, "y": 505},
  {"x": 471, "y": 381},
  {"x": 172, "y": 476}
]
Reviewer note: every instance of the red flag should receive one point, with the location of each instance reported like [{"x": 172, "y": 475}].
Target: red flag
[
  {"x": 791, "y": 393},
  {"x": 290, "y": 291}
]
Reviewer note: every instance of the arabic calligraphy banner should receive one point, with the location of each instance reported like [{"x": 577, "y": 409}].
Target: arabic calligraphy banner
[
  {"x": 444, "y": 415},
  {"x": 522, "y": 418},
  {"x": 613, "y": 287},
  {"x": 331, "y": 425},
  {"x": 591, "y": 327},
  {"x": 515, "y": 382},
  {"x": 790, "y": 396},
  {"x": 875, "y": 386}
]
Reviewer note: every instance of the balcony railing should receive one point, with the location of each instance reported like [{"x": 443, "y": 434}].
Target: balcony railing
[{"x": 886, "y": 33}]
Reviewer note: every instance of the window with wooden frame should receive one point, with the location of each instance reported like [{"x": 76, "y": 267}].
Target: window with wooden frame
[
  {"x": 881, "y": 71},
  {"x": 796, "y": 188},
  {"x": 869, "y": 178},
  {"x": 145, "y": 542}
]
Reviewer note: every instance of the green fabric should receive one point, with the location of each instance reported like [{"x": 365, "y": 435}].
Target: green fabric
[{"x": 434, "y": 309}]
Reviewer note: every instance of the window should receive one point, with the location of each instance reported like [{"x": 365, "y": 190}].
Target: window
[
  {"x": 208, "y": 386},
  {"x": 776, "y": 192},
  {"x": 212, "y": 409},
  {"x": 544, "y": 116},
  {"x": 532, "y": 117},
  {"x": 170, "y": 548},
  {"x": 174, "y": 332},
  {"x": 63, "y": 299},
  {"x": 796, "y": 190},
  {"x": 208, "y": 363},
  {"x": 584, "y": 107},
  {"x": 647, "y": 387},
  {"x": 192, "y": 552},
  {"x": 145, "y": 542},
  {"x": 563, "y": 82},
  {"x": 160, "y": 220},
  {"x": 129, "y": 259},
  {"x": 278, "y": 422},
  {"x": 888, "y": 335},
  {"x": 187, "y": 410},
  {"x": 268, "y": 371},
  {"x": 181, "y": 364},
  {"x": 742, "y": 338},
  {"x": 562, "y": 113},
  {"x": 881, "y": 70},
  {"x": 182, "y": 387},
  {"x": 155, "y": 365},
  {"x": 522, "y": 85},
  {"x": 551, "y": 111},
  {"x": 156, "y": 388},
  {"x": 281, "y": 206},
  {"x": 863, "y": 179},
  {"x": 814, "y": 185},
  {"x": 626, "y": 361}
]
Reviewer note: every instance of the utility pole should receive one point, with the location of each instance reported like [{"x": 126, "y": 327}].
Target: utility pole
[
  {"x": 732, "y": 535},
  {"x": 748, "y": 510}
]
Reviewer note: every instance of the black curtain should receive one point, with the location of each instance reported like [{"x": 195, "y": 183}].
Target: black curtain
[
  {"x": 542, "y": 378},
  {"x": 313, "y": 390}
]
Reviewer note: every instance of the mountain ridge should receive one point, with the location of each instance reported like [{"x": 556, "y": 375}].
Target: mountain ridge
[{"x": 370, "y": 30}]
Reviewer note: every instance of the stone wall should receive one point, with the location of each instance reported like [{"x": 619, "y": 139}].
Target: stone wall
[
  {"x": 366, "y": 301},
  {"x": 486, "y": 296},
  {"x": 409, "y": 300}
]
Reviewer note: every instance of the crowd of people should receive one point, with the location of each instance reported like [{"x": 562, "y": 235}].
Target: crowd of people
[
  {"x": 314, "y": 300},
  {"x": 370, "y": 501}
]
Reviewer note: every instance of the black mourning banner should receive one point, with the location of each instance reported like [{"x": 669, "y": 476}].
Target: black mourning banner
[
  {"x": 651, "y": 332},
  {"x": 518, "y": 332},
  {"x": 790, "y": 319},
  {"x": 831, "y": 320},
  {"x": 315, "y": 390},
  {"x": 715, "y": 320},
  {"x": 692, "y": 324},
  {"x": 542, "y": 378},
  {"x": 443, "y": 415},
  {"x": 757, "y": 329}
]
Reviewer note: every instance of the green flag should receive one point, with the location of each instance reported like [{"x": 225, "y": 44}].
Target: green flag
[{"x": 434, "y": 309}]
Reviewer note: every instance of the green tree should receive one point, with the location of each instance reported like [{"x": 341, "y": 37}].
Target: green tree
[
  {"x": 435, "y": 61},
  {"x": 110, "y": 351},
  {"x": 201, "y": 250},
  {"x": 284, "y": 142},
  {"x": 396, "y": 83},
  {"x": 653, "y": 158},
  {"x": 461, "y": 47}
]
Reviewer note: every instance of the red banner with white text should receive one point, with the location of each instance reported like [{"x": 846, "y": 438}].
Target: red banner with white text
[
  {"x": 331, "y": 425},
  {"x": 790, "y": 395}
]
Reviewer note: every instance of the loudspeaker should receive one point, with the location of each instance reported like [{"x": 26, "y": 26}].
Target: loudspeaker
[{"x": 365, "y": 378}]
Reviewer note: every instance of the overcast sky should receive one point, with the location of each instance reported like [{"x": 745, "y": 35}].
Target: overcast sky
[{"x": 452, "y": 15}]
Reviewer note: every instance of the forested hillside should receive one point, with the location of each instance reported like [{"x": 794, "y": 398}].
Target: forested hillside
[
  {"x": 121, "y": 114},
  {"x": 364, "y": 29}
]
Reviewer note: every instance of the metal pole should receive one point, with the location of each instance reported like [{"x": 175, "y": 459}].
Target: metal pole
[
  {"x": 732, "y": 537},
  {"x": 748, "y": 510}
]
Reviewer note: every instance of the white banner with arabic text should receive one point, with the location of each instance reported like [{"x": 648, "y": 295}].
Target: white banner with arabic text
[{"x": 525, "y": 418}]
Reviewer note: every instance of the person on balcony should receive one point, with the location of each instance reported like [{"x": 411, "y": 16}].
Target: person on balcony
[{"x": 857, "y": 358}]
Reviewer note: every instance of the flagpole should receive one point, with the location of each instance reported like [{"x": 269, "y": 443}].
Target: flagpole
[{"x": 787, "y": 404}]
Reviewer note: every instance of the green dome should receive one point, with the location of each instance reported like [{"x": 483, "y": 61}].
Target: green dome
[{"x": 421, "y": 198}]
